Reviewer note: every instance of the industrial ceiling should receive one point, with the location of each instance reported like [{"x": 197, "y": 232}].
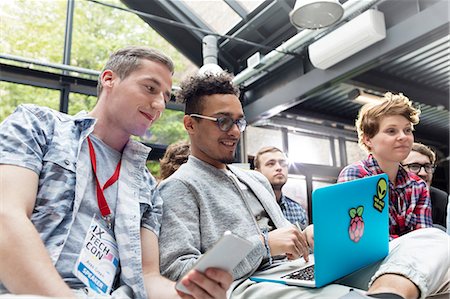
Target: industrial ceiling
[{"x": 287, "y": 90}]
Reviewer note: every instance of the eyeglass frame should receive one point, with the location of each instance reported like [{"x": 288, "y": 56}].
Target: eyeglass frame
[
  {"x": 241, "y": 123},
  {"x": 430, "y": 166}
]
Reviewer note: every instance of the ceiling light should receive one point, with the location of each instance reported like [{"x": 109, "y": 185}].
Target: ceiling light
[
  {"x": 316, "y": 14},
  {"x": 363, "y": 97},
  {"x": 210, "y": 68}
]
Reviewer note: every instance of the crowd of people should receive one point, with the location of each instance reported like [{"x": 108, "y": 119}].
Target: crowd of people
[{"x": 82, "y": 217}]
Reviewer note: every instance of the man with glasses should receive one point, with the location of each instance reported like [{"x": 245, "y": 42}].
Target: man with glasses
[
  {"x": 421, "y": 161},
  {"x": 273, "y": 164},
  {"x": 206, "y": 197}
]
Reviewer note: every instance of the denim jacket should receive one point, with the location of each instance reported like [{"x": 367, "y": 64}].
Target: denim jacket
[{"x": 49, "y": 143}]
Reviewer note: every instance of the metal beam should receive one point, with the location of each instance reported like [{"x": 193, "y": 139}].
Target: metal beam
[
  {"x": 21, "y": 75},
  {"x": 431, "y": 22},
  {"x": 383, "y": 81}
]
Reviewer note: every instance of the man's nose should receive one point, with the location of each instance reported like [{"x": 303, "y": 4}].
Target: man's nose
[
  {"x": 159, "y": 103},
  {"x": 234, "y": 131}
]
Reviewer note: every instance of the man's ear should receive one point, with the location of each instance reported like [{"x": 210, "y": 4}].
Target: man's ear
[
  {"x": 107, "y": 78},
  {"x": 189, "y": 124}
]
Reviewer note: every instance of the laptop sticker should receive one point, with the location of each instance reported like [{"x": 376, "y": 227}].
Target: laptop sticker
[
  {"x": 378, "y": 202},
  {"x": 356, "y": 227}
]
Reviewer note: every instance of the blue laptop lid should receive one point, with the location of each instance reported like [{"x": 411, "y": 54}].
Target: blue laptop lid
[{"x": 351, "y": 226}]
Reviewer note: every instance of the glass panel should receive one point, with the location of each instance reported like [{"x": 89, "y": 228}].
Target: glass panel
[
  {"x": 306, "y": 149},
  {"x": 166, "y": 130},
  {"x": 256, "y": 138},
  {"x": 295, "y": 188},
  {"x": 33, "y": 29},
  {"x": 316, "y": 184},
  {"x": 79, "y": 102},
  {"x": 216, "y": 13},
  {"x": 13, "y": 94},
  {"x": 354, "y": 152},
  {"x": 338, "y": 152},
  {"x": 99, "y": 30},
  {"x": 250, "y": 5}
]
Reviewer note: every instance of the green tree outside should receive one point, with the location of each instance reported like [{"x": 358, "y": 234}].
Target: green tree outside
[{"x": 35, "y": 29}]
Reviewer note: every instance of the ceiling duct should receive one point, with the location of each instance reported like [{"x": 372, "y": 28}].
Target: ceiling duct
[
  {"x": 302, "y": 38},
  {"x": 210, "y": 52},
  {"x": 352, "y": 37}
]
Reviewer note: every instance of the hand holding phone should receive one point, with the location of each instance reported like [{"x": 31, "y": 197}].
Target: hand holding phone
[{"x": 225, "y": 254}]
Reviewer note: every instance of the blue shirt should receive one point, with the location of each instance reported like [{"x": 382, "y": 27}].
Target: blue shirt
[
  {"x": 49, "y": 143},
  {"x": 293, "y": 211}
]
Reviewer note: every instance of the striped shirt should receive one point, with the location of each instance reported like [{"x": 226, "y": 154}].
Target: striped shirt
[{"x": 409, "y": 198}]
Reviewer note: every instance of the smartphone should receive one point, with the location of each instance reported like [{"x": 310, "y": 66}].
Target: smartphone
[{"x": 225, "y": 254}]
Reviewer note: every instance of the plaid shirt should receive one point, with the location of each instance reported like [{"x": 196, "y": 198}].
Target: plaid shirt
[
  {"x": 293, "y": 211},
  {"x": 409, "y": 198}
]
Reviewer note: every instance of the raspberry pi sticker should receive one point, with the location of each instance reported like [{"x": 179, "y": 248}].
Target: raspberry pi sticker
[
  {"x": 356, "y": 227},
  {"x": 378, "y": 198}
]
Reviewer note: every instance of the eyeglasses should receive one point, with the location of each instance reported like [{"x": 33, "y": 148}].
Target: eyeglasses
[
  {"x": 416, "y": 167},
  {"x": 225, "y": 123}
]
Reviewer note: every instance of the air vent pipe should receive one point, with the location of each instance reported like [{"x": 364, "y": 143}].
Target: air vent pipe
[{"x": 301, "y": 39}]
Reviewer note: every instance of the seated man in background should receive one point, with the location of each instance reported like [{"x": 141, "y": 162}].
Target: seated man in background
[
  {"x": 176, "y": 154},
  {"x": 273, "y": 164},
  {"x": 385, "y": 131},
  {"x": 421, "y": 161},
  {"x": 206, "y": 197},
  {"x": 79, "y": 213}
]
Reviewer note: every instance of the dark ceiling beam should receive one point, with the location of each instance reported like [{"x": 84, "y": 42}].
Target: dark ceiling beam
[
  {"x": 43, "y": 79},
  {"x": 272, "y": 11},
  {"x": 416, "y": 92},
  {"x": 27, "y": 76},
  {"x": 314, "y": 115},
  {"x": 191, "y": 43},
  {"x": 430, "y": 23},
  {"x": 249, "y": 25}
]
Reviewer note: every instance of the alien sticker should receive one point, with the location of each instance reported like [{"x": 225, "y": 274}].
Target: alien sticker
[
  {"x": 356, "y": 227},
  {"x": 378, "y": 202}
]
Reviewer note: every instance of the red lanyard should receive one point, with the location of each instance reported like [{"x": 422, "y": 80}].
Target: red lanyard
[{"x": 102, "y": 204}]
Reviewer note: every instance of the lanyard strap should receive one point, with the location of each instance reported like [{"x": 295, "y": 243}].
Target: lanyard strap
[{"x": 102, "y": 204}]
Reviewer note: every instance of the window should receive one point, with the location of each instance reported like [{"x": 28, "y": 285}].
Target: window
[
  {"x": 33, "y": 29},
  {"x": 256, "y": 138},
  {"x": 295, "y": 188},
  {"x": 13, "y": 94},
  {"x": 354, "y": 152},
  {"x": 79, "y": 102},
  {"x": 308, "y": 149}
]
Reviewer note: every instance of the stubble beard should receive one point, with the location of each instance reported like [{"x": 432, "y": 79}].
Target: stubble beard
[
  {"x": 277, "y": 187},
  {"x": 227, "y": 160}
]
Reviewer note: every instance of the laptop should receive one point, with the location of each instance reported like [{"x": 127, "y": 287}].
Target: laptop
[{"x": 351, "y": 231}]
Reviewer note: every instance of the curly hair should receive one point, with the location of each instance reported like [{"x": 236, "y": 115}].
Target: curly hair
[
  {"x": 370, "y": 115},
  {"x": 196, "y": 86},
  {"x": 176, "y": 154}
]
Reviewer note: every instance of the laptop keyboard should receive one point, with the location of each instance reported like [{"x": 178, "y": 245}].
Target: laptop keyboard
[{"x": 302, "y": 274}]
